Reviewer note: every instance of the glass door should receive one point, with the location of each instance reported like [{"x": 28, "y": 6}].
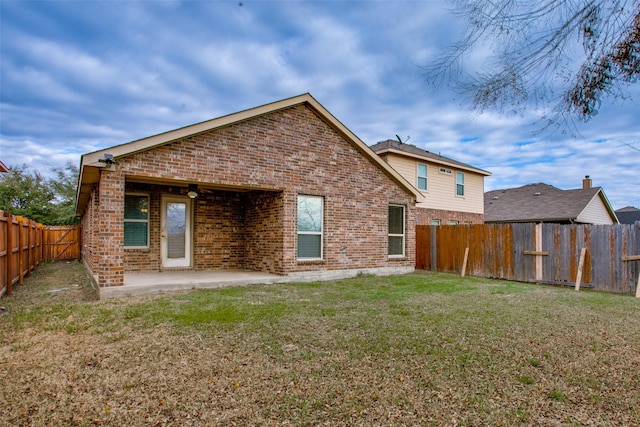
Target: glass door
[{"x": 175, "y": 245}]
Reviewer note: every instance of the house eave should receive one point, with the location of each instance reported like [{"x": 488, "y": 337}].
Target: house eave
[
  {"x": 529, "y": 220},
  {"x": 88, "y": 178},
  {"x": 91, "y": 160},
  {"x": 607, "y": 205},
  {"x": 442, "y": 161}
]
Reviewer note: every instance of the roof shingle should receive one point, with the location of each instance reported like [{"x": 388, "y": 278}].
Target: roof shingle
[
  {"x": 536, "y": 202},
  {"x": 628, "y": 215},
  {"x": 391, "y": 144}
]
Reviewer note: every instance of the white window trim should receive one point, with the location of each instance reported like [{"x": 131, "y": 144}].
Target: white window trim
[
  {"x": 315, "y": 233},
  {"x": 426, "y": 177},
  {"x": 463, "y": 185},
  {"x": 138, "y": 220},
  {"x": 403, "y": 235}
]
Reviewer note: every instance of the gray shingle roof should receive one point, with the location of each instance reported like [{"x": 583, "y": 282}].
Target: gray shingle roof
[
  {"x": 628, "y": 215},
  {"x": 536, "y": 202},
  {"x": 391, "y": 144}
]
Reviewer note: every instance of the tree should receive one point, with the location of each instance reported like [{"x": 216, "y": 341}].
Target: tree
[
  {"x": 560, "y": 56},
  {"x": 48, "y": 201},
  {"x": 64, "y": 186}
]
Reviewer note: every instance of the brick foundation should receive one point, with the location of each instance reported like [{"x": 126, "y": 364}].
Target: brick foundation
[{"x": 425, "y": 216}]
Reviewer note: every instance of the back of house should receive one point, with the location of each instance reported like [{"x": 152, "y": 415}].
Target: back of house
[{"x": 283, "y": 188}]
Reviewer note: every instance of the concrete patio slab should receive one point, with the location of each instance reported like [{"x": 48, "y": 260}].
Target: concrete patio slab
[{"x": 145, "y": 283}]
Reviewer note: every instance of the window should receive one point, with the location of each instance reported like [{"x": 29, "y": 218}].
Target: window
[
  {"x": 453, "y": 222},
  {"x": 136, "y": 220},
  {"x": 435, "y": 222},
  {"x": 422, "y": 176},
  {"x": 396, "y": 231},
  {"x": 459, "y": 184},
  {"x": 310, "y": 213}
]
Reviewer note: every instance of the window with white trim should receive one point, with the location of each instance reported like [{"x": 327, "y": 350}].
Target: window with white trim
[
  {"x": 459, "y": 184},
  {"x": 310, "y": 227},
  {"x": 435, "y": 222},
  {"x": 422, "y": 176},
  {"x": 136, "y": 220},
  {"x": 396, "y": 231}
]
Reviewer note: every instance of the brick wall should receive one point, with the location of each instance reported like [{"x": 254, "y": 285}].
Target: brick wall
[
  {"x": 285, "y": 153},
  {"x": 425, "y": 216},
  {"x": 109, "y": 248},
  {"x": 219, "y": 230},
  {"x": 90, "y": 232},
  {"x": 264, "y": 219}
]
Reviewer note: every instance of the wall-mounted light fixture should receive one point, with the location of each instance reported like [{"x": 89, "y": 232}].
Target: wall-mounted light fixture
[
  {"x": 193, "y": 191},
  {"x": 108, "y": 160}
]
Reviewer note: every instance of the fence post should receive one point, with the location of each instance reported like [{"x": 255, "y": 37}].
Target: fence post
[
  {"x": 464, "y": 263},
  {"x": 45, "y": 246},
  {"x": 583, "y": 252},
  {"x": 538, "y": 249},
  {"x": 434, "y": 248},
  {"x": 9, "y": 253},
  {"x": 30, "y": 238}
]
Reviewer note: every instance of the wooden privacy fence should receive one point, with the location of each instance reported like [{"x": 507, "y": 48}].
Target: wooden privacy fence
[
  {"x": 543, "y": 253},
  {"x": 24, "y": 244}
]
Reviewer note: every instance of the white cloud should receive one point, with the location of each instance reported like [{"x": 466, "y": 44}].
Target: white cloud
[{"x": 134, "y": 69}]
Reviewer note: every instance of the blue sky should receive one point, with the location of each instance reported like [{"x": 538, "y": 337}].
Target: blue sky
[{"x": 78, "y": 76}]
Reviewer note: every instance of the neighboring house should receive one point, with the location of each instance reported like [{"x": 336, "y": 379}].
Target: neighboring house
[
  {"x": 453, "y": 190},
  {"x": 3, "y": 168},
  {"x": 546, "y": 203},
  {"x": 283, "y": 188},
  {"x": 628, "y": 215}
]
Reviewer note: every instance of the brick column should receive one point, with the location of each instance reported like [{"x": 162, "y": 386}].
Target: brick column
[
  {"x": 110, "y": 245},
  {"x": 289, "y": 227}
]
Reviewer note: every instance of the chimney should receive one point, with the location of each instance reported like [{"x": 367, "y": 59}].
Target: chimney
[{"x": 586, "y": 182}]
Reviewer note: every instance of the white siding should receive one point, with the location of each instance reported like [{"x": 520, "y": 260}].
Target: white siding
[
  {"x": 441, "y": 188},
  {"x": 595, "y": 212},
  {"x": 407, "y": 168}
]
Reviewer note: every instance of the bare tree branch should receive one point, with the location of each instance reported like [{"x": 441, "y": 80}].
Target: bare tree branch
[{"x": 560, "y": 56}]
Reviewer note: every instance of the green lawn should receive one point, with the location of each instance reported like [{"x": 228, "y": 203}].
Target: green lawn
[{"x": 417, "y": 349}]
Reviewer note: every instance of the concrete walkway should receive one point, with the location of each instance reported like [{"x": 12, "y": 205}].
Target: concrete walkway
[{"x": 145, "y": 283}]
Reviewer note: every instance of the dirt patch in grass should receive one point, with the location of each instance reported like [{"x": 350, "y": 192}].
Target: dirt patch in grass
[{"x": 419, "y": 349}]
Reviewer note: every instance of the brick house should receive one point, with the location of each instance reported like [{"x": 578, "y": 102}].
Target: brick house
[
  {"x": 453, "y": 191},
  {"x": 283, "y": 188}
]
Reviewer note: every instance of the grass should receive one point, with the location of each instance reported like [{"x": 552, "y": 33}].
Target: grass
[{"x": 417, "y": 349}]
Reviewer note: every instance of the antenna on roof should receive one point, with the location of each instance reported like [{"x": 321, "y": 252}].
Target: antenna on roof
[{"x": 400, "y": 140}]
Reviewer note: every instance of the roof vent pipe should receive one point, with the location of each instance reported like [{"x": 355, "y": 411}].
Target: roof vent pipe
[{"x": 586, "y": 182}]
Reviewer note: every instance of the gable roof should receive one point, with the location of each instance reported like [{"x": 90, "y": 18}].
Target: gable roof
[
  {"x": 628, "y": 215},
  {"x": 541, "y": 203},
  {"x": 408, "y": 150},
  {"x": 3, "y": 168},
  {"x": 90, "y": 163}
]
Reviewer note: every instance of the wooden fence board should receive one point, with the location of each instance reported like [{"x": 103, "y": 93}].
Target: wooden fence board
[
  {"x": 546, "y": 253},
  {"x": 5, "y": 264},
  {"x": 24, "y": 244}
]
